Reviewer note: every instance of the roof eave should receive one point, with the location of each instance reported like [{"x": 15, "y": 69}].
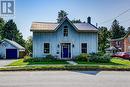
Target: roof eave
[{"x": 55, "y": 30}]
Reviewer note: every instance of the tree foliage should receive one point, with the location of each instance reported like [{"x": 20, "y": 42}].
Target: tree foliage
[
  {"x": 76, "y": 21},
  {"x": 103, "y": 35},
  {"x": 2, "y": 22},
  {"x": 29, "y": 45},
  {"x": 61, "y": 15},
  {"x": 117, "y": 31},
  {"x": 10, "y": 31}
]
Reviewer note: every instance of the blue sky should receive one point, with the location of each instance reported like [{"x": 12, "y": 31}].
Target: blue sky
[{"x": 46, "y": 10}]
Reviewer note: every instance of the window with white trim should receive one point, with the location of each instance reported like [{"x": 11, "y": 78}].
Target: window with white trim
[
  {"x": 129, "y": 39},
  {"x": 46, "y": 47},
  {"x": 65, "y": 31},
  {"x": 84, "y": 47}
]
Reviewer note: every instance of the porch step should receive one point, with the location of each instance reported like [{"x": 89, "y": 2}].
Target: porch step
[{"x": 72, "y": 62}]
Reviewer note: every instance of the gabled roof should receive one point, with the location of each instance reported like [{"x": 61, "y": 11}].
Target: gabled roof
[
  {"x": 49, "y": 26},
  {"x": 120, "y": 38},
  {"x": 18, "y": 46}
]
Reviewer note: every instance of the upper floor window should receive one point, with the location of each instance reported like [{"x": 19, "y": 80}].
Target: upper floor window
[
  {"x": 117, "y": 43},
  {"x": 65, "y": 31},
  {"x": 84, "y": 47},
  {"x": 46, "y": 47},
  {"x": 129, "y": 39}
]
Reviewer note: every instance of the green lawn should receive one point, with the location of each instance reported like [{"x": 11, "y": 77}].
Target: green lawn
[
  {"x": 66, "y": 67},
  {"x": 115, "y": 64},
  {"x": 114, "y": 61},
  {"x": 20, "y": 62},
  {"x": 120, "y": 61}
]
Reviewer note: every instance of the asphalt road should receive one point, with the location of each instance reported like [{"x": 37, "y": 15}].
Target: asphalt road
[{"x": 65, "y": 79}]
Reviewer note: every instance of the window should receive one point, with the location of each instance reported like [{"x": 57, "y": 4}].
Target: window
[
  {"x": 129, "y": 39},
  {"x": 65, "y": 31},
  {"x": 117, "y": 43},
  {"x": 46, "y": 48},
  {"x": 84, "y": 47}
]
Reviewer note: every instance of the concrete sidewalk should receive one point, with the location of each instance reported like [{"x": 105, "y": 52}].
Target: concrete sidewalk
[{"x": 6, "y": 62}]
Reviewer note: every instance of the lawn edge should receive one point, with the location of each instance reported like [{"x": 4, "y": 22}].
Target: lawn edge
[{"x": 65, "y": 67}]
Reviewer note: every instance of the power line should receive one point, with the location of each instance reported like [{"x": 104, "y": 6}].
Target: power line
[
  {"x": 125, "y": 21},
  {"x": 117, "y": 16}
]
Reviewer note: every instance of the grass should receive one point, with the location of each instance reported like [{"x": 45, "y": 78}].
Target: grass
[
  {"x": 115, "y": 64},
  {"x": 120, "y": 61},
  {"x": 94, "y": 63},
  {"x": 114, "y": 61},
  {"x": 21, "y": 62},
  {"x": 67, "y": 67}
]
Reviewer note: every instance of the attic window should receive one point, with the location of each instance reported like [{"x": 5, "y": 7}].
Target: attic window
[{"x": 65, "y": 31}]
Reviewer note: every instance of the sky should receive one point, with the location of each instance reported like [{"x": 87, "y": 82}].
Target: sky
[{"x": 102, "y": 12}]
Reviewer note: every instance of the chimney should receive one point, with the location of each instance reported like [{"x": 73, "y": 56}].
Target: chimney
[{"x": 89, "y": 20}]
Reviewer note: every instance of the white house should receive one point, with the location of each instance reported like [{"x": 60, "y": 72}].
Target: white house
[
  {"x": 10, "y": 49},
  {"x": 65, "y": 39}
]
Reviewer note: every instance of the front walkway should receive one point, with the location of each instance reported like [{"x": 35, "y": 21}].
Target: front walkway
[{"x": 72, "y": 62}]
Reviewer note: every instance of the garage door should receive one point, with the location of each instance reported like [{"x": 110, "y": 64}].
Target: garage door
[{"x": 11, "y": 53}]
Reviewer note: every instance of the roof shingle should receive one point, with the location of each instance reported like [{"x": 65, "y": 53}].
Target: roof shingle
[{"x": 49, "y": 26}]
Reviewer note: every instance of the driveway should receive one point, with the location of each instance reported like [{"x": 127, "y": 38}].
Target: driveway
[
  {"x": 65, "y": 79},
  {"x": 6, "y": 62}
]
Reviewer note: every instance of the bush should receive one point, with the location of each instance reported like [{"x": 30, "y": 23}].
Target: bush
[
  {"x": 44, "y": 59},
  {"x": 95, "y": 57},
  {"x": 50, "y": 56},
  {"x": 82, "y": 57}
]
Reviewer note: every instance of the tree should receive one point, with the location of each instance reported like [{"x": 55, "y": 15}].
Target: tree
[
  {"x": 122, "y": 31},
  {"x": 103, "y": 35},
  {"x": 76, "y": 21},
  {"x": 61, "y": 15},
  {"x": 117, "y": 31},
  {"x": 1, "y": 26},
  {"x": 28, "y": 45},
  {"x": 128, "y": 29},
  {"x": 11, "y": 32}
]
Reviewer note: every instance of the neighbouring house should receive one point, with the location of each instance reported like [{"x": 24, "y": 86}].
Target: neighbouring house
[
  {"x": 121, "y": 44},
  {"x": 11, "y": 50},
  {"x": 64, "y": 40}
]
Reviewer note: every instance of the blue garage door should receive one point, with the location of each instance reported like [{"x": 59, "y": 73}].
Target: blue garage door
[{"x": 11, "y": 53}]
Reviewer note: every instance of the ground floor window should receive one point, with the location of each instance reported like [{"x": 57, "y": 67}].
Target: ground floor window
[
  {"x": 46, "y": 47},
  {"x": 84, "y": 47},
  {"x": 129, "y": 48}
]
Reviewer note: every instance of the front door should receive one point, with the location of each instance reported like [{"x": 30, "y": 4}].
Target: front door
[{"x": 65, "y": 50}]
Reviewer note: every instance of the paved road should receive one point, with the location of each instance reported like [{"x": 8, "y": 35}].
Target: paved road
[
  {"x": 6, "y": 62},
  {"x": 65, "y": 79}
]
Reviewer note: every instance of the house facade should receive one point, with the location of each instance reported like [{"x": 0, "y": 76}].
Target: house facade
[
  {"x": 63, "y": 40},
  {"x": 121, "y": 44}
]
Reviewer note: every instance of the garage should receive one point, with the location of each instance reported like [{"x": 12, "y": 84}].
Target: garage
[
  {"x": 11, "y": 53},
  {"x": 11, "y": 50}
]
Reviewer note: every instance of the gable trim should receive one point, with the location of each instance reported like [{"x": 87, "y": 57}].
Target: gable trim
[{"x": 66, "y": 18}]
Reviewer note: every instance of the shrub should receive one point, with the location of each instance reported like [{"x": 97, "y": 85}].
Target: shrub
[
  {"x": 44, "y": 59},
  {"x": 82, "y": 57},
  {"x": 95, "y": 57},
  {"x": 50, "y": 56}
]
